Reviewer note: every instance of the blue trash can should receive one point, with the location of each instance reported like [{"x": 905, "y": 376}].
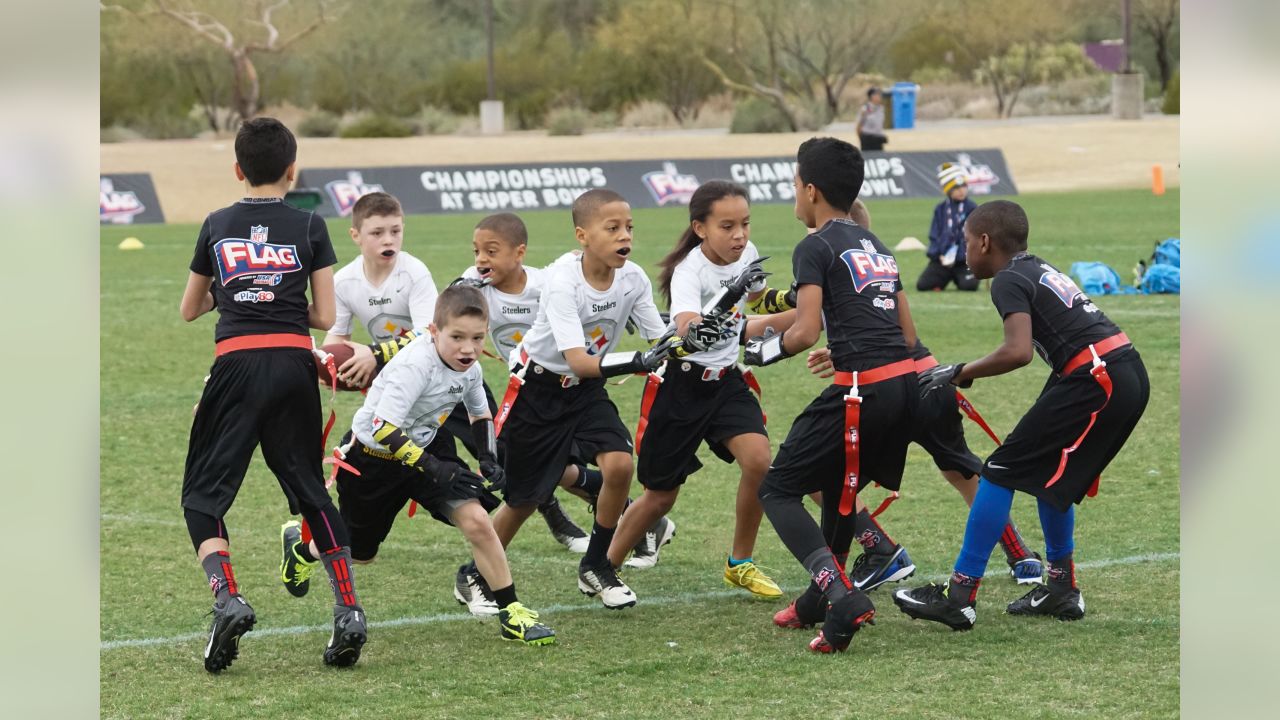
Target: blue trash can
[{"x": 904, "y": 105}]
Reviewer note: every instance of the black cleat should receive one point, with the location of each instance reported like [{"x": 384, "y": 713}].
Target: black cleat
[
  {"x": 604, "y": 581},
  {"x": 845, "y": 618},
  {"x": 233, "y": 619},
  {"x": 1043, "y": 600},
  {"x": 932, "y": 602},
  {"x": 295, "y": 573},
  {"x": 871, "y": 570},
  {"x": 563, "y": 528},
  {"x": 471, "y": 589},
  {"x": 349, "y": 635}
]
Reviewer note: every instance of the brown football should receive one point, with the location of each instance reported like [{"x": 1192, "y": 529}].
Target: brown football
[{"x": 341, "y": 353}]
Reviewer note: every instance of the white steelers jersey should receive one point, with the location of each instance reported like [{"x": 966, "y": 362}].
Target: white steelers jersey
[
  {"x": 416, "y": 391},
  {"x": 575, "y": 315},
  {"x": 511, "y": 316},
  {"x": 695, "y": 281},
  {"x": 405, "y": 301}
]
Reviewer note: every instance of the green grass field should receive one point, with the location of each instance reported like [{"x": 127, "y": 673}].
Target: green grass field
[{"x": 692, "y": 647}]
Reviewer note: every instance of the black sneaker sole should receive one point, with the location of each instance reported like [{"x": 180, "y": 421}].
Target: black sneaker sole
[
  {"x": 1071, "y": 614},
  {"x": 915, "y": 614},
  {"x": 347, "y": 651},
  {"x": 227, "y": 647}
]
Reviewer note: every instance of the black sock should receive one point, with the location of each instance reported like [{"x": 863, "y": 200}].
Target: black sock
[
  {"x": 303, "y": 551},
  {"x": 505, "y": 596},
  {"x": 827, "y": 575},
  {"x": 337, "y": 563},
  {"x": 549, "y": 505},
  {"x": 1062, "y": 574},
  {"x": 598, "y": 546},
  {"x": 870, "y": 535},
  {"x": 222, "y": 579},
  {"x": 964, "y": 588},
  {"x": 589, "y": 480}
]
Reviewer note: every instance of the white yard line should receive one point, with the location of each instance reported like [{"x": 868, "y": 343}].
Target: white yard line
[{"x": 680, "y": 599}]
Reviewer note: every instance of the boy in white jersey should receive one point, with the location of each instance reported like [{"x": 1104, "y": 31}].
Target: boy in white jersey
[
  {"x": 514, "y": 291},
  {"x": 703, "y": 395},
  {"x": 557, "y": 399},
  {"x": 387, "y": 290},
  {"x": 389, "y": 457}
]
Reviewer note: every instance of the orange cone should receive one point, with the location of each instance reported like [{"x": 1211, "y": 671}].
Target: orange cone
[{"x": 1157, "y": 180}]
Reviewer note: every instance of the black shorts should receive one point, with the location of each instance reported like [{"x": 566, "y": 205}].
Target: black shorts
[
  {"x": 550, "y": 426},
  {"x": 939, "y": 429},
  {"x": 264, "y": 397},
  {"x": 812, "y": 456},
  {"x": 370, "y": 502},
  {"x": 1030, "y": 456},
  {"x": 688, "y": 410}
]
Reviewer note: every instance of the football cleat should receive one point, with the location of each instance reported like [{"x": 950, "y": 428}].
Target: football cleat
[
  {"x": 233, "y": 619},
  {"x": 1028, "y": 570},
  {"x": 804, "y": 612},
  {"x": 295, "y": 572},
  {"x": 932, "y": 602},
  {"x": 520, "y": 624},
  {"x": 349, "y": 635},
  {"x": 563, "y": 528},
  {"x": 470, "y": 589},
  {"x": 752, "y": 579},
  {"x": 604, "y": 581},
  {"x": 845, "y": 618},
  {"x": 1065, "y": 604},
  {"x": 645, "y": 554},
  {"x": 871, "y": 570}
]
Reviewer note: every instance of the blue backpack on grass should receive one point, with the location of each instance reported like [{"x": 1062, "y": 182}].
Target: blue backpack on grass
[
  {"x": 1097, "y": 278},
  {"x": 1168, "y": 252}
]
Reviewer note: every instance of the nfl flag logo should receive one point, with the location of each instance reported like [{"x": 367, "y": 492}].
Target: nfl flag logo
[{"x": 258, "y": 233}]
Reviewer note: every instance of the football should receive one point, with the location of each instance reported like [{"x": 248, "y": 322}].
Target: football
[{"x": 341, "y": 353}]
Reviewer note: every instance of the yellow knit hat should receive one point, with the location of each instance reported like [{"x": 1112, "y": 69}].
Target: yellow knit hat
[{"x": 951, "y": 176}]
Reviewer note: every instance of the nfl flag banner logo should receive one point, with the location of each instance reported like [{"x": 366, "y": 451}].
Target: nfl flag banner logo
[{"x": 258, "y": 234}]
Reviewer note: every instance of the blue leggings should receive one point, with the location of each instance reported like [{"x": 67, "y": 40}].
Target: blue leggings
[{"x": 989, "y": 515}]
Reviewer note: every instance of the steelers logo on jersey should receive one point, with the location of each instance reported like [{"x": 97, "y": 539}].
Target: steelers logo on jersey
[
  {"x": 599, "y": 335},
  {"x": 384, "y": 326},
  {"x": 508, "y": 336}
]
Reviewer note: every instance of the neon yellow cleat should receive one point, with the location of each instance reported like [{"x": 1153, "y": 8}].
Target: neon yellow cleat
[
  {"x": 521, "y": 624},
  {"x": 295, "y": 573},
  {"x": 750, "y": 578}
]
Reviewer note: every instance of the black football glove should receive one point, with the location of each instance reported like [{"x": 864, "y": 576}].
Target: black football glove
[
  {"x": 765, "y": 349},
  {"x": 701, "y": 336},
  {"x": 630, "y": 363},
  {"x": 939, "y": 376},
  {"x": 447, "y": 475},
  {"x": 495, "y": 478},
  {"x": 752, "y": 274},
  {"x": 482, "y": 433}
]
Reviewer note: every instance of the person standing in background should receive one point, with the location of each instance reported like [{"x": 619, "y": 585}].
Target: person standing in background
[{"x": 871, "y": 122}]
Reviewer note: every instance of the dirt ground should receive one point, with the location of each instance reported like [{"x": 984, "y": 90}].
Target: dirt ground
[{"x": 1044, "y": 154}]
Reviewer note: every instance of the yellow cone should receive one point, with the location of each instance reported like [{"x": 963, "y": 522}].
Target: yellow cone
[{"x": 130, "y": 243}]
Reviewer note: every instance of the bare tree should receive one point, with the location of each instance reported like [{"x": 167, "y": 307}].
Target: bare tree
[
  {"x": 1159, "y": 20},
  {"x": 801, "y": 55},
  {"x": 238, "y": 49}
]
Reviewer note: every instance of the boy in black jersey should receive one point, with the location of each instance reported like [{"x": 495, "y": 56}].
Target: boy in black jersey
[
  {"x": 858, "y": 429},
  {"x": 1087, "y": 410},
  {"x": 253, "y": 262}
]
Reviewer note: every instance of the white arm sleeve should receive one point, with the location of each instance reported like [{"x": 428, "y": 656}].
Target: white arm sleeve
[
  {"x": 645, "y": 312},
  {"x": 562, "y": 315},
  {"x": 402, "y": 384},
  {"x": 473, "y": 399},
  {"x": 342, "y": 319},
  {"x": 686, "y": 291},
  {"x": 422, "y": 301}
]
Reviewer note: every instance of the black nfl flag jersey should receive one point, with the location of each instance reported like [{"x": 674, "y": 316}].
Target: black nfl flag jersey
[
  {"x": 1063, "y": 319},
  {"x": 260, "y": 254},
  {"x": 859, "y": 279}
]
